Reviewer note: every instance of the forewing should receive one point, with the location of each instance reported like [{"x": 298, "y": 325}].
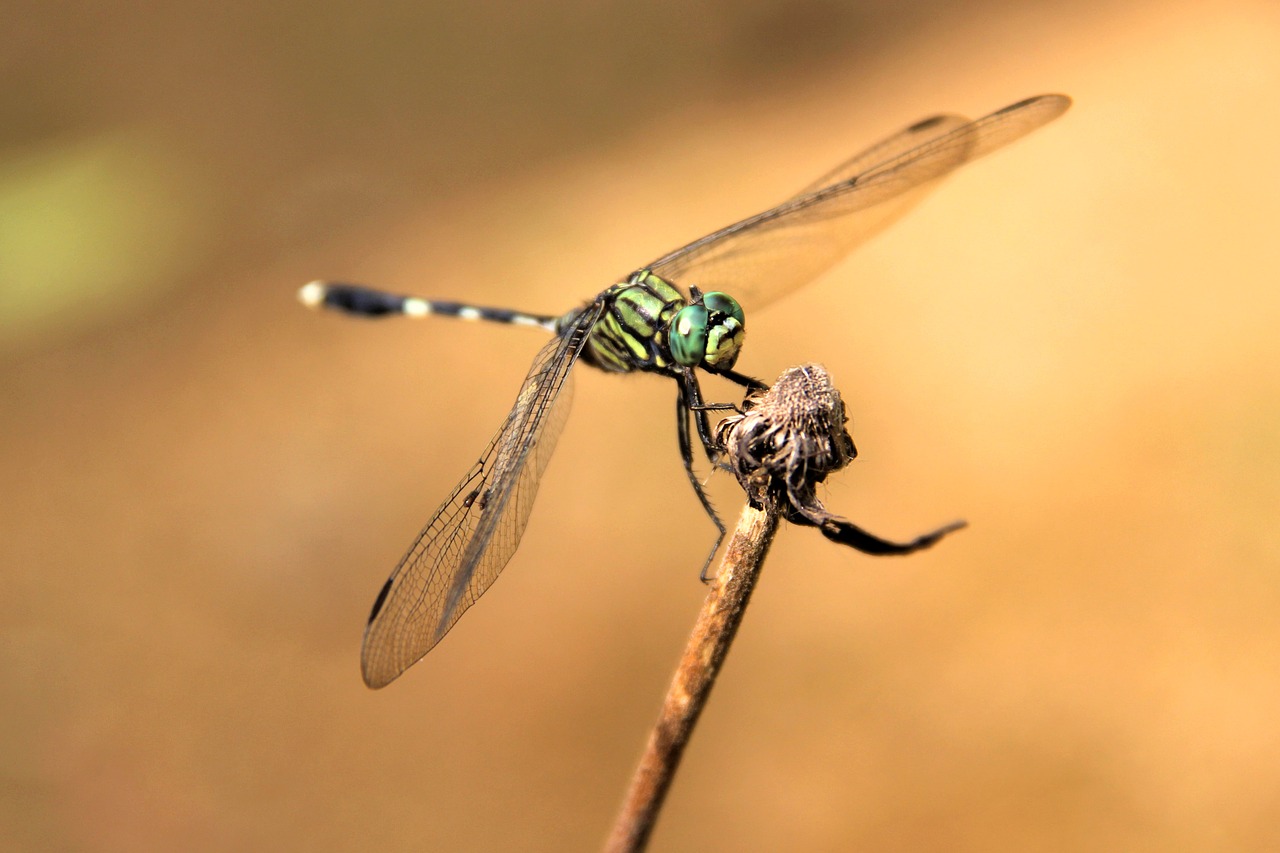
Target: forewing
[
  {"x": 473, "y": 534},
  {"x": 887, "y": 149},
  {"x": 772, "y": 253}
]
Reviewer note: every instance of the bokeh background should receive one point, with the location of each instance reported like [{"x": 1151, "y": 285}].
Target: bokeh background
[{"x": 1074, "y": 344}]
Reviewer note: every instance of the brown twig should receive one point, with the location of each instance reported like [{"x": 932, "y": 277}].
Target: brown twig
[
  {"x": 781, "y": 445},
  {"x": 708, "y": 644}
]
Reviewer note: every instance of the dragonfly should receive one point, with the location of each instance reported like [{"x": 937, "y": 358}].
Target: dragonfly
[{"x": 673, "y": 317}]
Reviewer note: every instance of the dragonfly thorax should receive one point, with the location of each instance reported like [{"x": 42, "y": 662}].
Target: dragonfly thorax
[{"x": 647, "y": 324}]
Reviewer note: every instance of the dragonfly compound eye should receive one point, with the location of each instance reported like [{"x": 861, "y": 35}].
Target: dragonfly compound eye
[
  {"x": 689, "y": 335},
  {"x": 725, "y": 330},
  {"x": 723, "y": 303}
]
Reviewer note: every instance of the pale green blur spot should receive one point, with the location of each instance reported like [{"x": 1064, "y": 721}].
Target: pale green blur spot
[{"x": 89, "y": 228}]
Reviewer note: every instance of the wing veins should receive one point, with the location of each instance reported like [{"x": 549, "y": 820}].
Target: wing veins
[
  {"x": 474, "y": 532},
  {"x": 799, "y": 239}
]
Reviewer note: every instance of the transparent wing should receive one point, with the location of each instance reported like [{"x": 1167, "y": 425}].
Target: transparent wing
[
  {"x": 887, "y": 149},
  {"x": 473, "y": 534},
  {"x": 766, "y": 256}
]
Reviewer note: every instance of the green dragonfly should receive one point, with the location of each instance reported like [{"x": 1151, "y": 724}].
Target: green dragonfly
[{"x": 672, "y": 317}]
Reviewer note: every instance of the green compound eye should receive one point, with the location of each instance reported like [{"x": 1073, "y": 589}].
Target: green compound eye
[
  {"x": 708, "y": 335},
  {"x": 725, "y": 331},
  {"x": 689, "y": 335},
  {"x": 723, "y": 303}
]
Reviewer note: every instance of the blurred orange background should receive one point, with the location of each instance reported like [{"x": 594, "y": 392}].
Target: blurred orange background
[{"x": 1073, "y": 344}]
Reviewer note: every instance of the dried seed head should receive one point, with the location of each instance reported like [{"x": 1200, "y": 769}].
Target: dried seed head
[
  {"x": 789, "y": 438},
  {"x": 786, "y": 441}
]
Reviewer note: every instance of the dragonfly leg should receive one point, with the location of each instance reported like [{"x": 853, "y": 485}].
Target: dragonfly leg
[
  {"x": 691, "y": 400},
  {"x": 748, "y": 382},
  {"x": 683, "y": 414}
]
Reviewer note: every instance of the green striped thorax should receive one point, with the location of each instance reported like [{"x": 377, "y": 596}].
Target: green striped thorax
[{"x": 650, "y": 325}]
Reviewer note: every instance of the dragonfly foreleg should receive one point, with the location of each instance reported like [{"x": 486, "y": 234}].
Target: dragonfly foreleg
[
  {"x": 691, "y": 400},
  {"x": 683, "y": 414},
  {"x": 748, "y": 382}
]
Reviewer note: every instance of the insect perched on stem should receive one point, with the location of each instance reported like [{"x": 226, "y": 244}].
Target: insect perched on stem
[{"x": 673, "y": 316}]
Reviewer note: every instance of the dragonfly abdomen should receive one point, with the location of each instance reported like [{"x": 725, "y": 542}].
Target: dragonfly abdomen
[{"x": 365, "y": 301}]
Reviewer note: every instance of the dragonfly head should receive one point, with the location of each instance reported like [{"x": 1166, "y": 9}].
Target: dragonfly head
[{"x": 708, "y": 332}]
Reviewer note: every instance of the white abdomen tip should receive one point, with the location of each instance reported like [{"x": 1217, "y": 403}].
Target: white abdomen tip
[{"x": 312, "y": 295}]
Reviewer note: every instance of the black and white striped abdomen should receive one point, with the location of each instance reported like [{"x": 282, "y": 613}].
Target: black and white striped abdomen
[{"x": 367, "y": 302}]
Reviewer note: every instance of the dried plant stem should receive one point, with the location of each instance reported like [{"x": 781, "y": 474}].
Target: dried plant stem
[{"x": 708, "y": 644}]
